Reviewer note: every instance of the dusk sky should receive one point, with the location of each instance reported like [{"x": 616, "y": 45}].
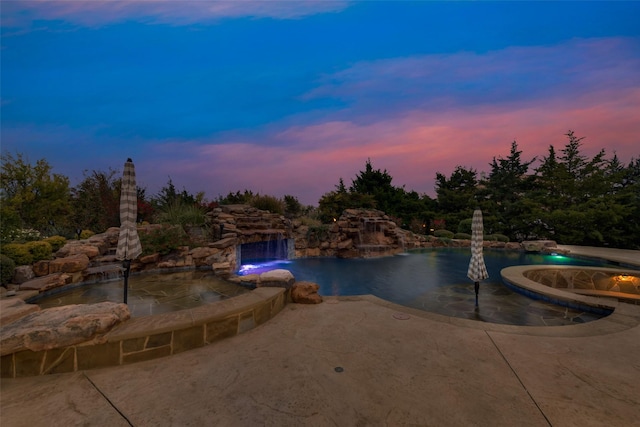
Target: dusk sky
[{"x": 289, "y": 97}]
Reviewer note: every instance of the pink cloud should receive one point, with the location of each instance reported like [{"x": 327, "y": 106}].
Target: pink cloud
[
  {"x": 101, "y": 12},
  {"x": 308, "y": 161}
]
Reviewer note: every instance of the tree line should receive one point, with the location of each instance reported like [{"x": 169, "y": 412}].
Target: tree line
[{"x": 568, "y": 197}]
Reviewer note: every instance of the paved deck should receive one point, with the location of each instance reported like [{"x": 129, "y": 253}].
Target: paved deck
[
  {"x": 360, "y": 361},
  {"x": 622, "y": 256}
]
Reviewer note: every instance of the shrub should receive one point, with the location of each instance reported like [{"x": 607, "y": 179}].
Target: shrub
[
  {"x": 56, "y": 242},
  {"x": 318, "y": 233},
  {"x": 39, "y": 250},
  {"x": 464, "y": 226},
  {"x": 501, "y": 237},
  {"x": 268, "y": 203},
  {"x": 489, "y": 237},
  {"x": 85, "y": 234},
  {"x": 182, "y": 214},
  {"x": 21, "y": 235},
  {"x": 311, "y": 222},
  {"x": 462, "y": 236},
  {"x": 7, "y": 265},
  {"x": 443, "y": 234},
  {"x": 18, "y": 252},
  {"x": 163, "y": 240}
]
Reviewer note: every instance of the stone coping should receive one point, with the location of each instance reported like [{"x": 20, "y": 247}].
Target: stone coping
[
  {"x": 150, "y": 337},
  {"x": 516, "y": 276},
  {"x": 625, "y": 316}
]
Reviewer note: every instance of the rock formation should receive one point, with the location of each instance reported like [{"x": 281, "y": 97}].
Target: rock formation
[{"x": 61, "y": 326}]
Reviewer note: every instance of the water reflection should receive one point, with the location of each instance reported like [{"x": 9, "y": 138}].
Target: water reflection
[
  {"x": 151, "y": 293},
  {"x": 436, "y": 281}
]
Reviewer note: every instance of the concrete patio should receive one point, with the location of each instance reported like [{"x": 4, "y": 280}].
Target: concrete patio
[{"x": 360, "y": 361}]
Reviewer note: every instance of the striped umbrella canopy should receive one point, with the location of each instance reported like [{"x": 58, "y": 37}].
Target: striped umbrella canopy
[
  {"x": 477, "y": 270},
  {"x": 129, "y": 246}
]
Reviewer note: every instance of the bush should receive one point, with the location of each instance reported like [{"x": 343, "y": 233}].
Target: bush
[
  {"x": 18, "y": 252},
  {"x": 163, "y": 240},
  {"x": 182, "y": 214},
  {"x": 268, "y": 203},
  {"x": 21, "y": 235},
  {"x": 85, "y": 234},
  {"x": 56, "y": 242},
  {"x": 7, "y": 265},
  {"x": 39, "y": 250},
  {"x": 500, "y": 237},
  {"x": 462, "y": 236},
  {"x": 464, "y": 226},
  {"x": 443, "y": 234},
  {"x": 490, "y": 238},
  {"x": 309, "y": 221}
]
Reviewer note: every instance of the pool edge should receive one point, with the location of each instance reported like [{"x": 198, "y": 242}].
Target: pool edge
[{"x": 150, "y": 337}]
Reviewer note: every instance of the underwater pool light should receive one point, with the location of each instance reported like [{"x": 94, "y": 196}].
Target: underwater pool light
[{"x": 261, "y": 267}]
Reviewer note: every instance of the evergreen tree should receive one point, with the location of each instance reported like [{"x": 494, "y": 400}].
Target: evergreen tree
[
  {"x": 505, "y": 206},
  {"x": 457, "y": 196}
]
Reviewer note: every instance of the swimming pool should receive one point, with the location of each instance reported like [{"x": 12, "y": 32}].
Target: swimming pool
[
  {"x": 149, "y": 293},
  {"x": 436, "y": 280}
]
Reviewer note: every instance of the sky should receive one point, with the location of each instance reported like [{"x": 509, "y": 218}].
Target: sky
[{"x": 286, "y": 98}]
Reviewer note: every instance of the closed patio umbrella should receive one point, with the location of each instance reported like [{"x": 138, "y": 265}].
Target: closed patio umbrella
[
  {"x": 129, "y": 246},
  {"x": 477, "y": 270}
]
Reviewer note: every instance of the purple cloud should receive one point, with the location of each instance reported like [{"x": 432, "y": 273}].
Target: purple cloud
[
  {"x": 513, "y": 74},
  {"x": 101, "y": 12}
]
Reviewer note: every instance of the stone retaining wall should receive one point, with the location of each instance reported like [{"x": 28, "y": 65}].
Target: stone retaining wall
[
  {"x": 591, "y": 281},
  {"x": 150, "y": 337}
]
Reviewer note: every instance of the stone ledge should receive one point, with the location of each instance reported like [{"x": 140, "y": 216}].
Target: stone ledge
[
  {"x": 518, "y": 277},
  {"x": 12, "y": 309},
  {"x": 147, "y": 338},
  {"x": 166, "y": 322}
]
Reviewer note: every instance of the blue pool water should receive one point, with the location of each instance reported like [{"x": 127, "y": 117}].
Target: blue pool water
[{"x": 436, "y": 280}]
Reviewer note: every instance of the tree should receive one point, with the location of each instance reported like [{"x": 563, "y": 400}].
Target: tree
[
  {"x": 31, "y": 195},
  {"x": 292, "y": 206},
  {"x": 377, "y": 185},
  {"x": 237, "y": 198},
  {"x": 505, "y": 189},
  {"x": 332, "y": 204},
  {"x": 457, "y": 195},
  {"x": 96, "y": 201},
  {"x": 626, "y": 188},
  {"x": 582, "y": 200}
]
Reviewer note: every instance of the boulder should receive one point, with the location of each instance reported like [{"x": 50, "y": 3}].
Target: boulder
[
  {"x": 538, "y": 245},
  {"x": 61, "y": 326},
  {"x": 12, "y": 309},
  {"x": 70, "y": 264},
  {"x": 202, "y": 252},
  {"x": 44, "y": 283},
  {"x": 276, "y": 278},
  {"x": 346, "y": 244},
  {"x": 222, "y": 269},
  {"x": 41, "y": 268},
  {"x": 150, "y": 259},
  {"x": 76, "y": 247},
  {"x": 23, "y": 273},
  {"x": 203, "y": 255},
  {"x": 223, "y": 243},
  {"x": 305, "y": 293},
  {"x": 248, "y": 280}
]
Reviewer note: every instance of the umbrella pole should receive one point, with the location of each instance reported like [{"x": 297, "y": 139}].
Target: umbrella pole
[
  {"x": 477, "y": 286},
  {"x": 127, "y": 267}
]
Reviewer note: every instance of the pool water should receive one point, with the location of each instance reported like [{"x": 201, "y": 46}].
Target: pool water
[
  {"x": 435, "y": 280},
  {"x": 149, "y": 293}
]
